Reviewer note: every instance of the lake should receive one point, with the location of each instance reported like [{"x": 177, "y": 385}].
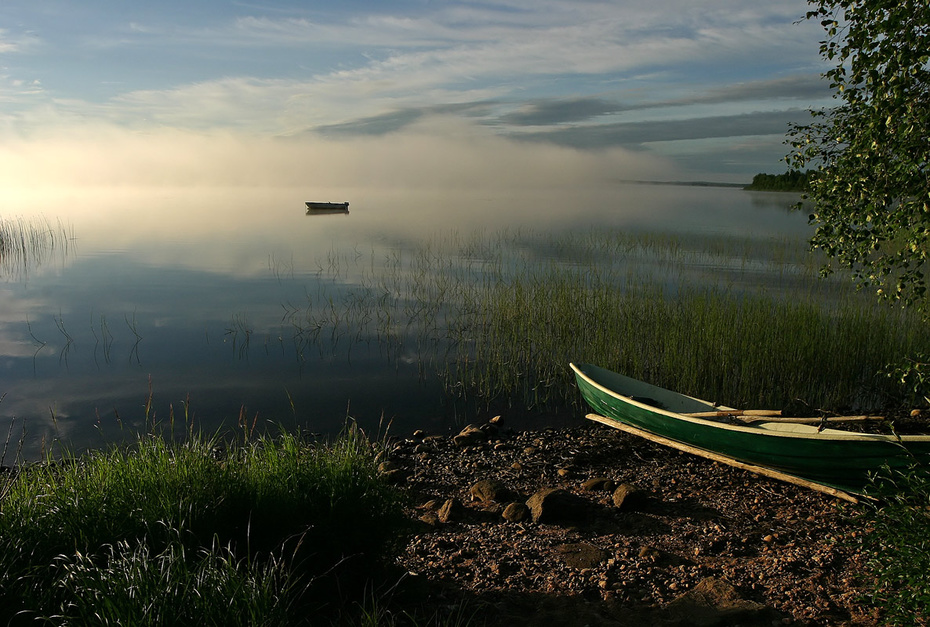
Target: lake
[{"x": 219, "y": 306}]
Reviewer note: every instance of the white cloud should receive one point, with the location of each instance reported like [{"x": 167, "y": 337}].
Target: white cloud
[
  {"x": 17, "y": 42},
  {"x": 228, "y": 102},
  {"x": 6, "y": 44},
  {"x": 18, "y": 92}
]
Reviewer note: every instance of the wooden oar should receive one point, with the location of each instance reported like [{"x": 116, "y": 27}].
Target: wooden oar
[
  {"x": 774, "y": 415},
  {"x": 815, "y": 421},
  {"x": 717, "y": 457},
  {"x": 735, "y": 412}
]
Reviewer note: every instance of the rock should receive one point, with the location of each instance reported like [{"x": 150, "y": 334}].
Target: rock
[
  {"x": 395, "y": 477},
  {"x": 628, "y": 496},
  {"x": 495, "y": 509},
  {"x": 430, "y": 518},
  {"x": 469, "y": 436},
  {"x": 553, "y": 505},
  {"x": 598, "y": 484},
  {"x": 489, "y": 491},
  {"x": 451, "y": 511},
  {"x": 391, "y": 472},
  {"x": 580, "y": 555},
  {"x": 489, "y": 429},
  {"x": 648, "y": 552},
  {"x": 387, "y": 466},
  {"x": 713, "y": 602},
  {"x": 516, "y": 512},
  {"x": 421, "y": 449}
]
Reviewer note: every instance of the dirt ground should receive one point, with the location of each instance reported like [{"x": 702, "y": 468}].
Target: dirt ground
[{"x": 693, "y": 542}]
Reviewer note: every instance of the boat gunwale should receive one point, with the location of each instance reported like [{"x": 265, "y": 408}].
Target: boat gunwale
[{"x": 777, "y": 431}]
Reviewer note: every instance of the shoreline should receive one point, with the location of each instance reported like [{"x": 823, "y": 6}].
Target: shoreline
[{"x": 698, "y": 539}]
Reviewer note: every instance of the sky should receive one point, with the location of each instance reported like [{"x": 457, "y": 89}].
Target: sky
[{"x": 403, "y": 92}]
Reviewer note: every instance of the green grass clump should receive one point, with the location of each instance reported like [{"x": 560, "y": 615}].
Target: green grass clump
[
  {"x": 167, "y": 533},
  {"x": 897, "y": 543},
  {"x": 128, "y": 584}
]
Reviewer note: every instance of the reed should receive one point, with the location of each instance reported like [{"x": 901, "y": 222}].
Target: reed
[
  {"x": 739, "y": 349},
  {"x": 26, "y": 244},
  {"x": 747, "y": 322}
]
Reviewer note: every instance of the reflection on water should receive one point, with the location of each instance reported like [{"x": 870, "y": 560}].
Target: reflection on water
[{"x": 234, "y": 300}]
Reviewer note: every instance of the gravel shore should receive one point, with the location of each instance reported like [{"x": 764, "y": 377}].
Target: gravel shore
[{"x": 621, "y": 532}]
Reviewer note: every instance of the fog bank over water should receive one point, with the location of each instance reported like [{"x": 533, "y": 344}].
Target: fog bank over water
[
  {"x": 233, "y": 203},
  {"x": 436, "y": 153}
]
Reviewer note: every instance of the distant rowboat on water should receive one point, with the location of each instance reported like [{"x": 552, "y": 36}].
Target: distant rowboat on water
[{"x": 328, "y": 206}]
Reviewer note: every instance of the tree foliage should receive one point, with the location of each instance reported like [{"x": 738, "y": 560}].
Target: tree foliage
[
  {"x": 871, "y": 191},
  {"x": 791, "y": 181}
]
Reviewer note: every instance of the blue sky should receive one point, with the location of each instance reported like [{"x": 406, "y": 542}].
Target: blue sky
[{"x": 701, "y": 90}]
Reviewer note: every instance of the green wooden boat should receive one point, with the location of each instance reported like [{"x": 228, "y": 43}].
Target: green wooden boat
[{"x": 831, "y": 457}]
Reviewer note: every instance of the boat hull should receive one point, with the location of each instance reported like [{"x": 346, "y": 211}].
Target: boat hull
[
  {"x": 829, "y": 456},
  {"x": 328, "y": 206}
]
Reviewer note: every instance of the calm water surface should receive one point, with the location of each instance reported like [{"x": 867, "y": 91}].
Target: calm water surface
[{"x": 229, "y": 303}]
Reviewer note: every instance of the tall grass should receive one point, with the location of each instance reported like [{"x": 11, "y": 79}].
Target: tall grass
[
  {"x": 765, "y": 335},
  {"x": 743, "y": 321},
  {"x": 745, "y": 350},
  {"x": 166, "y": 533}
]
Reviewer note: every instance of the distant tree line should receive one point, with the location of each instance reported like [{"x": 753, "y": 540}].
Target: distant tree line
[{"x": 791, "y": 181}]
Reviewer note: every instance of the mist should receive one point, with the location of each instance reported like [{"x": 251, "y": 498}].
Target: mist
[{"x": 437, "y": 153}]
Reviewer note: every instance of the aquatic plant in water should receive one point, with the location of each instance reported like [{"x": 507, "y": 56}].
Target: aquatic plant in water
[
  {"x": 28, "y": 244},
  {"x": 745, "y": 321}
]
